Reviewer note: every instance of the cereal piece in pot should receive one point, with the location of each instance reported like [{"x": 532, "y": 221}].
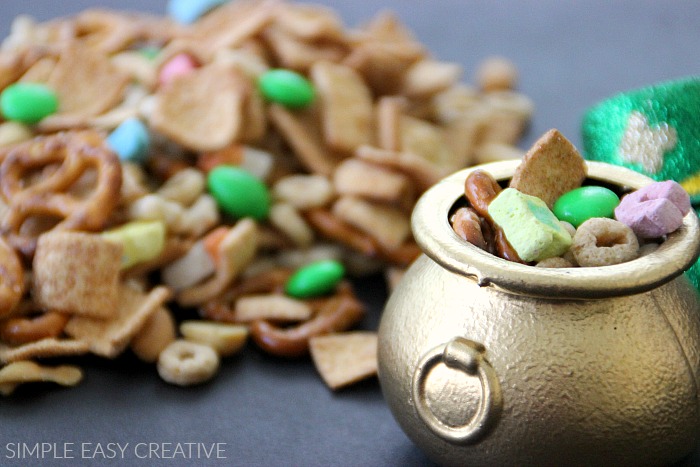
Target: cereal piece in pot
[
  {"x": 602, "y": 242},
  {"x": 186, "y": 363},
  {"x": 550, "y": 168},
  {"x": 554, "y": 262}
]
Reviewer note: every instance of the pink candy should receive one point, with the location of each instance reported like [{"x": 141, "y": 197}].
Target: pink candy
[
  {"x": 178, "y": 65},
  {"x": 654, "y": 210}
]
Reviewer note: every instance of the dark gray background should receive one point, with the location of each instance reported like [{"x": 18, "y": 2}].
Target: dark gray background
[{"x": 273, "y": 412}]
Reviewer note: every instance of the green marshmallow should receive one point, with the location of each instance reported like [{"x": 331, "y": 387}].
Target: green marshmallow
[{"x": 530, "y": 227}]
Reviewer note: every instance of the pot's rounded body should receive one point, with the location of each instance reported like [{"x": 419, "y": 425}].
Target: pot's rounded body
[{"x": 485, "y": 362}]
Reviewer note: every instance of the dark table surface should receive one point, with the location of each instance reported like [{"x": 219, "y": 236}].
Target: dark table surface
[{"x": 264, "y": 411}]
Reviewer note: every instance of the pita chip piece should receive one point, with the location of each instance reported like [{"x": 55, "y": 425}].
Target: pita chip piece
[
  {"x": 43, "y": 348},
  {"x": 108, "y": 338},
  {"x": 86, "y": 82},
  {"x": 20, "y": 372},
  {"x": 345, "y": 358},
  {"x": 201, "y": 110},
  {"x": 346, "y": 106}
]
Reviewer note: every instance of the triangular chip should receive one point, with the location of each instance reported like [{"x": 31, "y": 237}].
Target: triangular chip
[{"x": 345, "y": 358}]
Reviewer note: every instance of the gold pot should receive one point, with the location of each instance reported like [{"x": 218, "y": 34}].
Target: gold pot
[{"x": 487, "y": 362}]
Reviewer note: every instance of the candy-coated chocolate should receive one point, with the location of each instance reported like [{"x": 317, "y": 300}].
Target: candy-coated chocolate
[
  {"x": 178, "y": 65},
  {"x": 238, "y": 193},
  {"x": 586, "y": 202},
  {"x": 150, "y": 52},
  {"x": 530, "y": 227},
  {"x": 189, "y": 11},
  {"x": 28, "y": 102},
  {"x": 286, "y": 87},
  {"x": 130, "y": 140},
  {"x": 314, "y": 279}
]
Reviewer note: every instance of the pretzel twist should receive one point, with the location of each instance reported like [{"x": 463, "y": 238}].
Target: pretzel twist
[{"x": 75, "y": 152}]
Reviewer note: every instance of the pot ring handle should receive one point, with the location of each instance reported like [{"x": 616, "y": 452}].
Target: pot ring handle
[{"x": 467, "y": 356}]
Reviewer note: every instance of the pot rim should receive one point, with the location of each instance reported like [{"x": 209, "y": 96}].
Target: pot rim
[{"x": 434, "y": 234}]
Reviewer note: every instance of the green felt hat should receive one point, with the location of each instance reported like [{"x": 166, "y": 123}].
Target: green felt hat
[{"x": 654, "y": 130}]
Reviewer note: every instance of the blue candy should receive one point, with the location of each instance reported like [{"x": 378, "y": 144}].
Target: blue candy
[
  {"x": 188, "y": 11},
  {"x": 130, "y": 141}
]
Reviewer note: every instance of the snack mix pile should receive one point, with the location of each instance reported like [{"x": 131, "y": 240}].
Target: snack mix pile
[
  {"x": 545, "y": 216},
  {"x": 243, "y": 161}
]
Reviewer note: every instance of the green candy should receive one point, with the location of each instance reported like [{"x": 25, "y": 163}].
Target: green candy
[
  {"x": 238, "y": 193},
  {"x": 27, "y": 102},
  {"x": 586, "y": 202},
  {"x": 150, "y": 52},
  {"x": 286, "y": 87},
  {"x": 314, "y": 279}
]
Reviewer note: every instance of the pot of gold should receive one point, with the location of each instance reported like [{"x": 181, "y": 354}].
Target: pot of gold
[{"x": 485, "y": 361}]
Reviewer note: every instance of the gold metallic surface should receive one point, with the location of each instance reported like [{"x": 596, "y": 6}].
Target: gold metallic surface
[{"x": 487, "y": 362}]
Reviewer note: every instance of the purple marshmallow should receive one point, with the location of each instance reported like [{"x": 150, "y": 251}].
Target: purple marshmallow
[
  {"x": 668, "y": 189},
  {"x": 650, "y": 219}
]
